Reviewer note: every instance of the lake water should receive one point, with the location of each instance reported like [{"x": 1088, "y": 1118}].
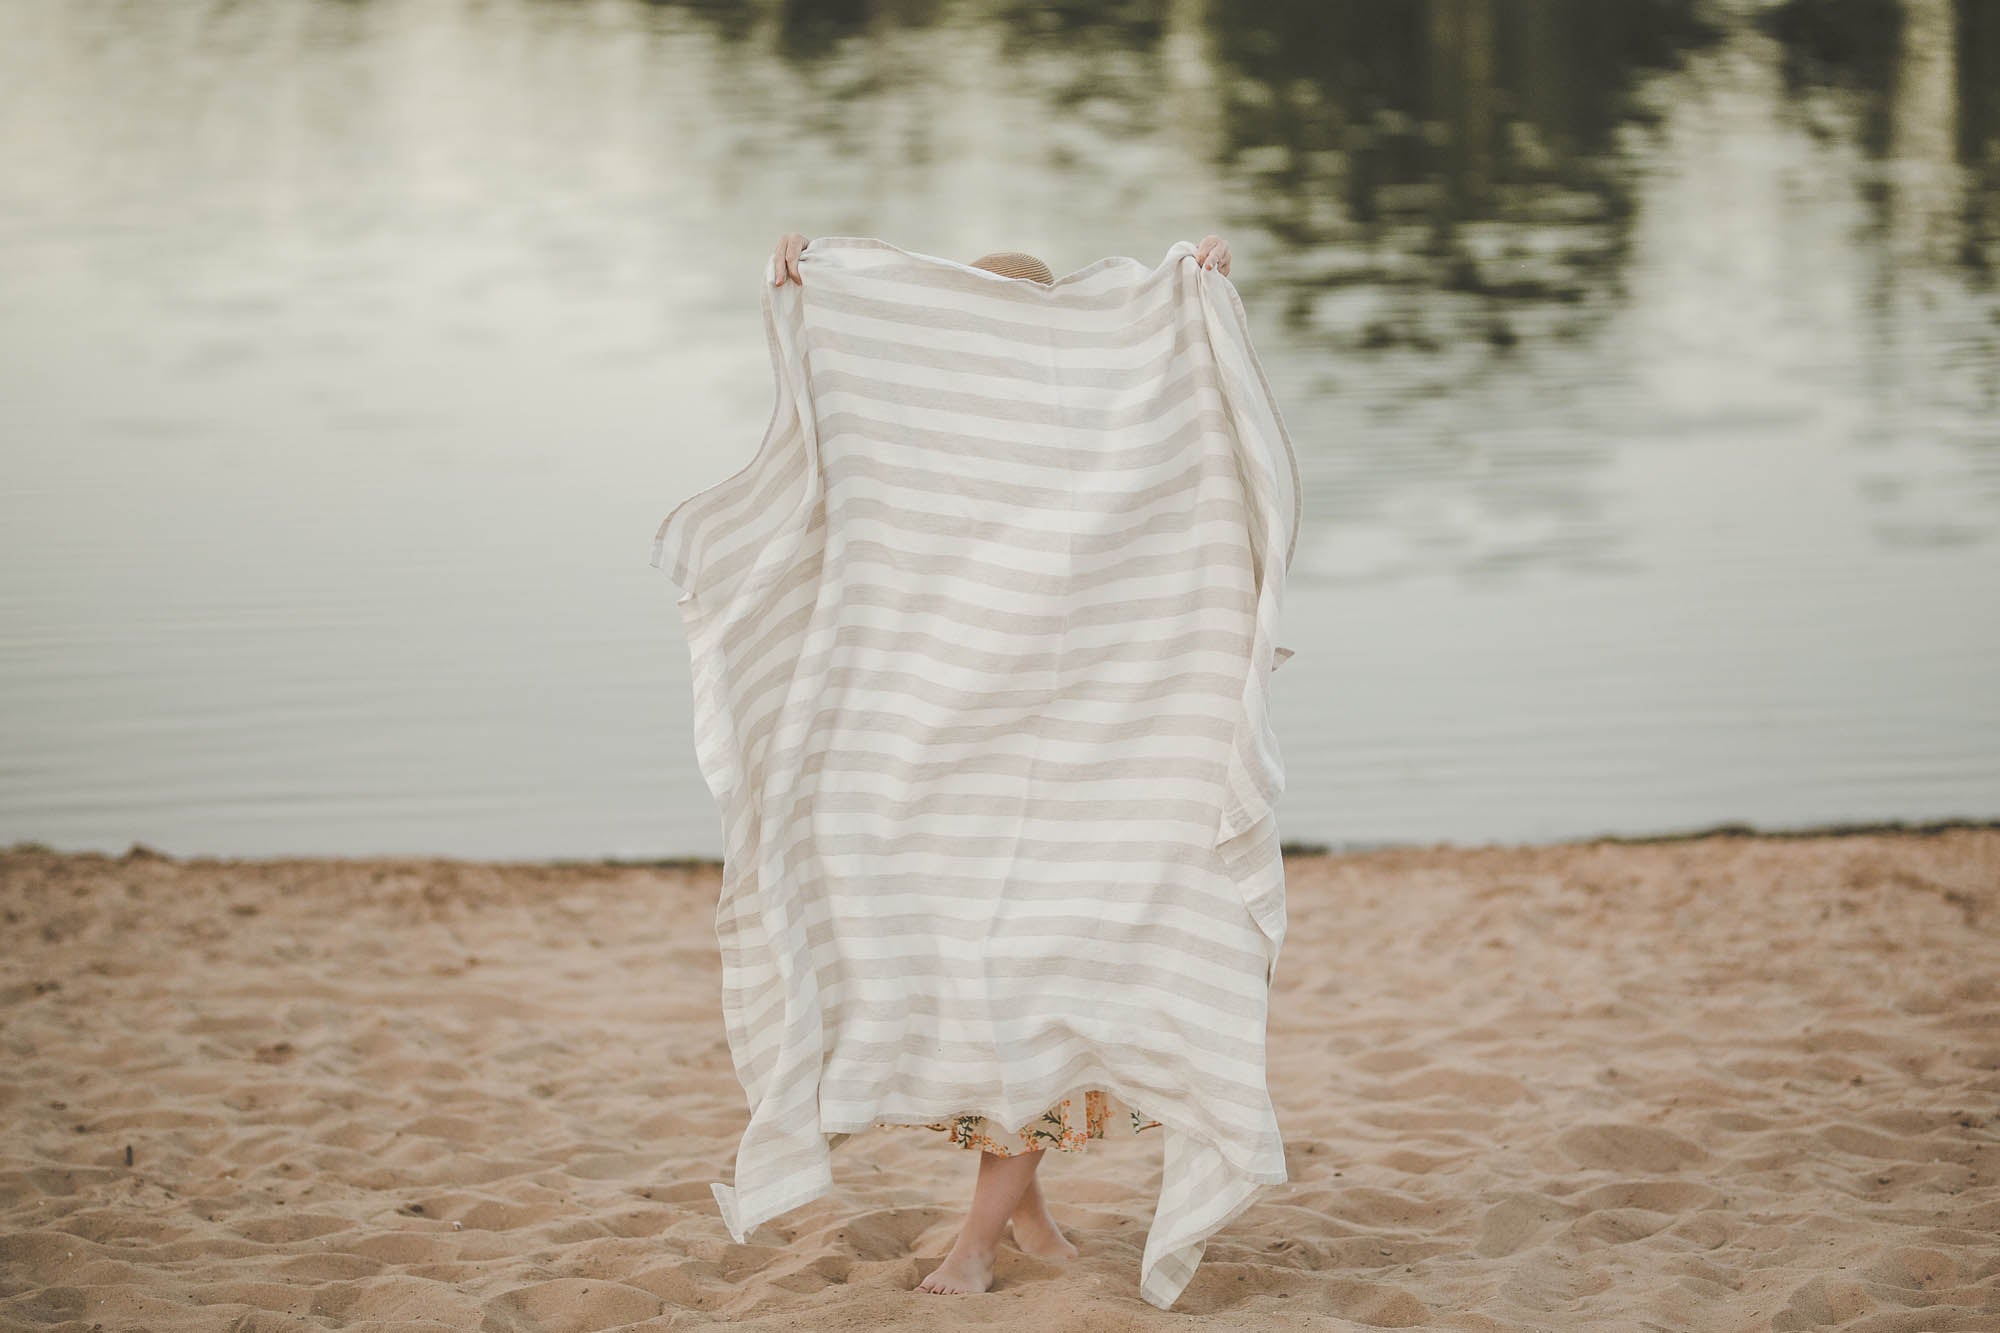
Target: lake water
[{"x": 1643, "y": 362}]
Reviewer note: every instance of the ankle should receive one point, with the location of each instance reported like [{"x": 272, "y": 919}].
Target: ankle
[{"x": 968, "y": 1246}]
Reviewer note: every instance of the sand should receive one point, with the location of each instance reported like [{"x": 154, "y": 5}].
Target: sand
[{"x": 1729, "y": 1083}]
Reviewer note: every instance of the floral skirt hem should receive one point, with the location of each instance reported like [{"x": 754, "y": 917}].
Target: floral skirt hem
[{"x": 1060, "y": 1127}]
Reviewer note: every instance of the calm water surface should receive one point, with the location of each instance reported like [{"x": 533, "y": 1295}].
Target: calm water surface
[{"x": 1643, "y": 361}]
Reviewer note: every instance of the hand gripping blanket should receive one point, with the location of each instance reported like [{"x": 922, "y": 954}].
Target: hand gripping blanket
[{"x": 980, "y": 644}]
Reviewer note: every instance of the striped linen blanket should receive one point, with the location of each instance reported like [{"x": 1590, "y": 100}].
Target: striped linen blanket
[{"x": 980, "y": 643}]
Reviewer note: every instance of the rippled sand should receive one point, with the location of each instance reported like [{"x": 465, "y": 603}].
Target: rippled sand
[{"x": 1733, "y": 1083}]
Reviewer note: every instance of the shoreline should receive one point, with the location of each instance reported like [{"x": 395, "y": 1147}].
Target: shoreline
[{"x": 1291, "y": 850}]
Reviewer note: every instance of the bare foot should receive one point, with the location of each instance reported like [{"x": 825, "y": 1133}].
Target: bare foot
[
  {"x": 963, "y": 1271},
  {"x": 1036, "y": 1232}
]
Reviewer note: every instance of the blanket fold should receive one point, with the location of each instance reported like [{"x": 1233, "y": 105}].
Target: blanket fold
[{"x": 980, "y": 643}]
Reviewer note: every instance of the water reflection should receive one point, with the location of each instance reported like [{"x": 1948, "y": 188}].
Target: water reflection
[
  {"x": 1643, "y": 358},
  {"x": 1461, "y": 157}
]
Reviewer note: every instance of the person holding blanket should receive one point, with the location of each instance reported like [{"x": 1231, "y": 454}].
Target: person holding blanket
[{"x": 980, "y": 640}]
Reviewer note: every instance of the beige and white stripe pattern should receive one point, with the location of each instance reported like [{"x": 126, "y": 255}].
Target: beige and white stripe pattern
[{"x": 981, "y": 641}]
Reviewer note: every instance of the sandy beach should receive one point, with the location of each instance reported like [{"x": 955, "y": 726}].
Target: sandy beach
[{"x": 1723, "y": 1083}]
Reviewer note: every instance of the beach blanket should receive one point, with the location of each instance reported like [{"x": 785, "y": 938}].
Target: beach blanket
[{"x": 981, "y": 640}]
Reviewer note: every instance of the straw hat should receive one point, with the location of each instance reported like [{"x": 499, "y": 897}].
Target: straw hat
[{"x": 1014, "y": 264}]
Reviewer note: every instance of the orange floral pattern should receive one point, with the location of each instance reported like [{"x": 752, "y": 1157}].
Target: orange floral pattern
[{"x": 1059, "y": 1127}]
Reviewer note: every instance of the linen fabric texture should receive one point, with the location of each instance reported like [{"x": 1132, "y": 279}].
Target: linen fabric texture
[{"x": 981, "y": 642}]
